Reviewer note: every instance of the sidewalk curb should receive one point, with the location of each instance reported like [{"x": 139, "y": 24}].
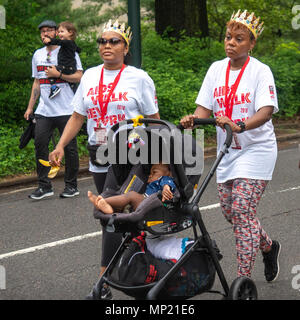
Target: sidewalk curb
[{"x": 83, "y": 170}]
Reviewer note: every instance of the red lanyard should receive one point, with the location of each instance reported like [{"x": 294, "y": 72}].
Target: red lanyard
[
  {"x": 229, "y": 98},
  {"x": 100, "y": 97}
]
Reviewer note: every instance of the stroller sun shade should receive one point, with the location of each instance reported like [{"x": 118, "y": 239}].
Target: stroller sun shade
[{"x": 152, "y": 145}]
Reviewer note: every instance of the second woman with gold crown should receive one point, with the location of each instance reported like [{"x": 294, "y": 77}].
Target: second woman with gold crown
[{"x": 240, "y": 91}]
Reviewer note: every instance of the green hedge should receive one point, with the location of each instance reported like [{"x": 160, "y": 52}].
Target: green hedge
[
  {"x": 178, "y": 69},
  {"x": 15, "y": 161},
  {"x": 285, "y": 65},
  {"x": 12, "y": 159}
]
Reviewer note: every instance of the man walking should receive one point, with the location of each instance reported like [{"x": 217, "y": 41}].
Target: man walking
[{"x": 52, "y": 113}]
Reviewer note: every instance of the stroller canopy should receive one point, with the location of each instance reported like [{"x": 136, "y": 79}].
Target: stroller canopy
[{"x": 151, "y": 145}]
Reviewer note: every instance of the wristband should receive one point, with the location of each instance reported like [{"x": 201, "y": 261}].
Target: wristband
[{"x": 242, "y": 125}]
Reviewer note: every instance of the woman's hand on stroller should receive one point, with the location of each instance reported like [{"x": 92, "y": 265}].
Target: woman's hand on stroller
[
  {"x": 188, "y": 121},
  {"x": 221, "y": 121},
  {"x": 167, "y": 194}
]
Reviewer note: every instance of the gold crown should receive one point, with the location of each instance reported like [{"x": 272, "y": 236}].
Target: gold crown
[
  {"x": 120, "y": 29},
  {"x": 251, "y": 24}
]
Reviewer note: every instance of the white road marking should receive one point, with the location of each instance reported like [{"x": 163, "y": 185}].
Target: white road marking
[
  {"x": 30, "y": 188},
  {"x": 73, "y": 239},
  {"x": 50, "y": 245},
  {"x": 289, "y": 189},
  {"x": 18, "y": 190},
  {"x": 211, "y": 206}
]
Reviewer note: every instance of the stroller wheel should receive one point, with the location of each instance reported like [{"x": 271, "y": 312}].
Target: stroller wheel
[{"x": 243, "y": 288}]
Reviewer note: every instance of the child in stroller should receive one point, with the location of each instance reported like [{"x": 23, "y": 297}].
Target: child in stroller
[{"x": 159, "y": 180}]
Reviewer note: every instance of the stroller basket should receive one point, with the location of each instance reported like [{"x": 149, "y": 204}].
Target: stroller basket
[{"x": 135, "y": 271}]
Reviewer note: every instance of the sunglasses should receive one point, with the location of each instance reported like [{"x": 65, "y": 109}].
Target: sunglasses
[
  {"x": 112, "y": 41},
  {"x": 48, "y": 59}
]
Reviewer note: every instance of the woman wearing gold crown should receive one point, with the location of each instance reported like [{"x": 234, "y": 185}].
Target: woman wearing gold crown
[
  {"x": 108, "y": 93},
  {"x": 240, "y": 91}
]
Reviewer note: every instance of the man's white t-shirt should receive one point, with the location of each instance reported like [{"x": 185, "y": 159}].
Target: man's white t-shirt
[
  {"x": 254, "y": 153},
  {"x": 60, "y": 105},
  {"x": 134, "y": 95}
]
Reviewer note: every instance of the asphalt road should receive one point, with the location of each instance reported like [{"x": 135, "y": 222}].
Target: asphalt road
[{"x": 50, "y": 249}]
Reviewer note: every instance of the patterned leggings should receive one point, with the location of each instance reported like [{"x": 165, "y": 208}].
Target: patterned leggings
[{"x": 239, "y": 200}]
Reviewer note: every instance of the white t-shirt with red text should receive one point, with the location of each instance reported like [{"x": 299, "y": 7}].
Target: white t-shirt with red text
[
  {"x": 60, "y": 105},
  {"x": 253, "y": 153},
  {"x": 134, "y": 95}
]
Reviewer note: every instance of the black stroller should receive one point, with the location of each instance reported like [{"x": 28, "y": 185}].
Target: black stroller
[{"x": 141, "y": 275}]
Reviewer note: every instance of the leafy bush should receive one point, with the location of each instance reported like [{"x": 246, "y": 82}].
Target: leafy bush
[
  {"x": 178, "y": 69},
  {"x": 89, "y": 55},
  {"x": 14, "y": 98},
  {"x": 285, "y": 65},
  {"x": 12, "y": 159},
  {"x": 15, "y": 161}
]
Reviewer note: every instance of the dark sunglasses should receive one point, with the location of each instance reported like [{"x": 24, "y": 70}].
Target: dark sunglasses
[
  {"x": 48, "y": 59},
  {"x": 112, "y": 41}
]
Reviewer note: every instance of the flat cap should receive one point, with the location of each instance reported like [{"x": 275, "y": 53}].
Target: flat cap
[{"x": 47, "y": 23}]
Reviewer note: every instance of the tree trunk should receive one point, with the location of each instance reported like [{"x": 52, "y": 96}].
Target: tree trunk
[{"x": 177, "y": 15}]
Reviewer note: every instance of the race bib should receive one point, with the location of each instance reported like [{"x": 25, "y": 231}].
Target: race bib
[
  {"x": 235, "y": 144},
  {"x": 101, "y": 136}
]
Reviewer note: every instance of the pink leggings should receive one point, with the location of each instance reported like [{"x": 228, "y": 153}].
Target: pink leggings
[{"x": 239, "y": 200}]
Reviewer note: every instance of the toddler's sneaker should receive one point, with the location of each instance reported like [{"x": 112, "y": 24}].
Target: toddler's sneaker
[
  {"x": 106, "y": 293},
  {"x": 54, "y": 91},
  {"x": 271, "y": 261},
  {"x": 100, "y": 292}
]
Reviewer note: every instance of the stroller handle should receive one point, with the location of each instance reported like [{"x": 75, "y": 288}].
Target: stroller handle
[
  {"x": 171, "y": 126},
  {"x": 141, "y": 120},
  {"x": 200, "y": 121},
  {"x": 212, "y": 121}
]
